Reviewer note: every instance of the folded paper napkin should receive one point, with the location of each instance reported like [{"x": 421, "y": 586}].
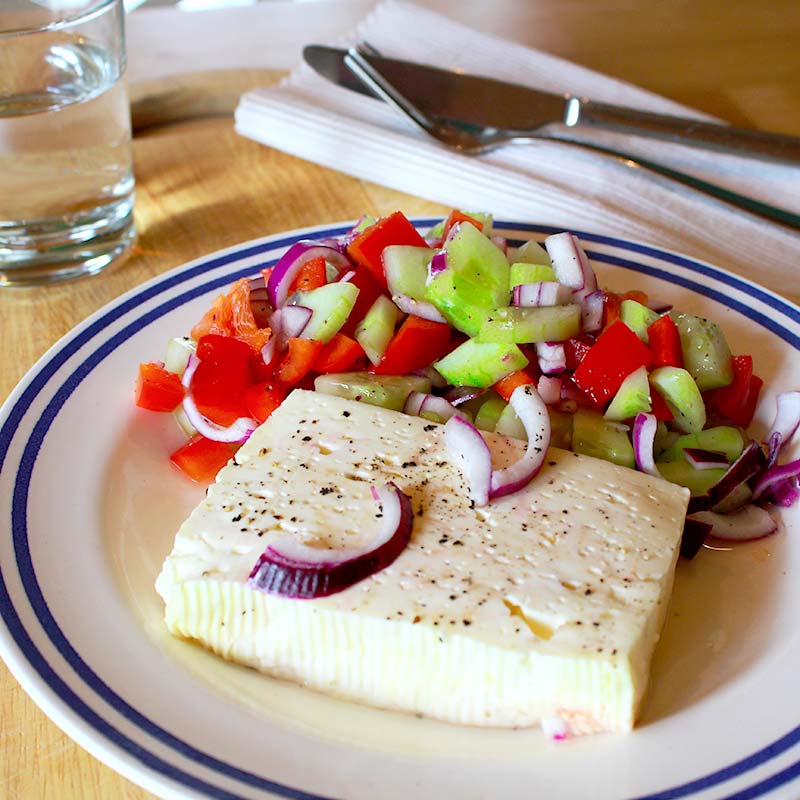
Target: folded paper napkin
[{"x": 542, "y": 182}]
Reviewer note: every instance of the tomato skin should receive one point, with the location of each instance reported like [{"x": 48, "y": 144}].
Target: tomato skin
[
  {"x": 201, "y": 459},
  {"x": 505, "y": 387},
  {"x": 158, "y": 389},
  {"x": 368, "y": 291},
  {"x": 617, "y": 352},
  {"x": 737, "y": 401},
  {"x": 262, "y": 399},
  {"x": 417, "y": 343},
  {"x": 367, "y": 247},
  {"x": 575, "y": 350},
  {"x": 664, "y": 341},
  {"x": 312, "y": 275},
  {"x": 297, "y": 361},
  {"x": 340, "y": 354},
  {"x": 612, "y": 303},
  {"x": 660, "y": 409}
]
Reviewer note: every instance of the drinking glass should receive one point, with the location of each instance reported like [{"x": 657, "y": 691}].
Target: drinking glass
[{"x": 66, "y": 177}]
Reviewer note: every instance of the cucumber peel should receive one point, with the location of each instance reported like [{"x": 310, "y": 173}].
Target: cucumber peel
[
  {"x": 682, "y": 396},
  {"x": 480, "y": 364},
  {"x": 632, "y": 397}
]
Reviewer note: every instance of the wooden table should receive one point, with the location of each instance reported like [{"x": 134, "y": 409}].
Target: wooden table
[{"x": 200, "y": 187}]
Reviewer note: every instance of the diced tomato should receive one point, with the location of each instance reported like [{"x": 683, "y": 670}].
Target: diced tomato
[
  {"x": 737, "y": 401},
  {"x": 368, "y": 291},
  {"x": 262, "y": 399},
  {"x": 367, "y": 247},
  {"x": 417, "y": 343},
  {"x": 617, "y": 352},
  {"x": 660, "y": 409},
  {"x": 340, "y": 354},
  {"x": 158, "y": 389},
  {"x": 221, "y": 377},
  {"x": 201, "y": 459},
  {"x": 260, "y": 371},
  {"x": 665, "y": 343},
  {"x": 297, "y": 361},
  {"x": 232, "y": 315},
  {"x": 458, "y": 216},
  {"x": 311, "y": 276},
  {"x": 506, "y": 386},
  {"x": 575, "y": 350}
]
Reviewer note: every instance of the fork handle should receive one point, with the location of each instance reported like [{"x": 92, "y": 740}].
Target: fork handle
[{"x": 758, "y": 144}]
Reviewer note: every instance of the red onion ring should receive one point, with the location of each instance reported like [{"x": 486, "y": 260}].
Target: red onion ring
[
  {"x": 541, "y": 293},
  {"x": 549, "y": 389},
  {"x": 552, "y": 359},
  {"x": 644, "y": 434},
  {"x": 571, "y": 264},
  {"x": 290, "y": 263},
  {"x": 418, "y": 308},
  {"x": 472, "y": 456},
  {"x": 292, "y": 569},
  {"x": 744, "y": 525},
  {"x": 704, "y": 459},
  {"x": 787, "y": 418}
]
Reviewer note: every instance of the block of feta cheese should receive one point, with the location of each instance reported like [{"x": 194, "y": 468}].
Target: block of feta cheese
[{"x": 545, "y": 605}]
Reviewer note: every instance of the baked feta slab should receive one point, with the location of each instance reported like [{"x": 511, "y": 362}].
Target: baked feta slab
[{"x": 545, "y": 604}]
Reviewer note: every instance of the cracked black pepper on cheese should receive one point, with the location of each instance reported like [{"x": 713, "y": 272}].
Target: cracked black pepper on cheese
[{"x": 547, "y": 603}]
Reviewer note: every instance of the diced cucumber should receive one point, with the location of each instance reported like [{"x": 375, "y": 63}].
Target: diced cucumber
[
  {"x": 480, "y": 364},
  {"x": 594, "y": 436},
  {"x": 375, "y": 331},
  {"x": 697, "y": 481},
  {"x": 681, "y": 394},
  {"x": 526, "y": 324},
  {"x": 706, "y": 354},
  {"x": 637, "y": 317},
  {"x": 436, "y": 231},
  {"x": 474, "y": 283},
  {"x": 487, "y": 415},
  {"x": 177, "y": 356},
  {"x": 664, "y": 439},
  {"x": 720, "y": 439},
  {"x": 736, "y": 499},
  {"x": 387, "y": 391},
  {"x": 331, "y": 305},
  {"x": 406, "y": 269},
  {"x": 632, "y": 397},
  {"x": 532, "y": 252},
  {"x": 365, "y": 222},
  {"x": 509, "y": 424},
  {"x": 521, "y": 273},
  {"x": 183, "y": 421},
  {"x": 486, "y": 219}
]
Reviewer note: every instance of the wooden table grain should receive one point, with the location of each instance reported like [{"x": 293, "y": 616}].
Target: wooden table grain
[{"x": 200, "y": 187}]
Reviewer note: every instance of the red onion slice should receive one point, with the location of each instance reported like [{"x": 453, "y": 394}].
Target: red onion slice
[
  {"x": 749, "y": 464},
  {"x": 571, "y": 264},
  {"x": 472, "y": 456},
  {"x": 292, "y": 569},
  {"x": 418, "y": 308},
  {"x": 744, "y": 525},
  {"x": 347, "y": 277},
  {"x": 433, "y": 375},
  {"x": 532, "y": 411},
  {"x": 289, "y": 322},
  {"x": 438, "y": 264},
  {"x": 644, "y": 434},
  {"x": 695, "y": 533},
  {"x": 413, "y": 403},
  {"x": 704, "y": 459},
  {"x": 592, "y": 312},
  {"x": 787, "y": 418},
  {"x": 776, "y": 474},
  {"x": 463, "y": 394},
  {"x": 541, "y": 293},
  {"x": 285, "y": 271},
  {"x": 552, "y": 359}
]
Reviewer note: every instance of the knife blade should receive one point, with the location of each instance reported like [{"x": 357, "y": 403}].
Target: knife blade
[{"x": 519, "y": 111}]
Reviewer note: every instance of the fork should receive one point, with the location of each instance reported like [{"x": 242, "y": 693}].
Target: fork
[{"x": 473, "y": 139}]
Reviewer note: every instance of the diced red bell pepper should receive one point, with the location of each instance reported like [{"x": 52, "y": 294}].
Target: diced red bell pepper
[
  {"x": 201, "y": 459},
  {"x": 506, "y": 386},
  {"x": 665, "y": 343},
  {"x": 311, "y": 276},
  {"x": 340, "y": 354},
  {"x": 737, "y": 401},
  {"x": 221, "y": 377},
  {"x": 262, "y": 399},
  {"x": 367, "y": 247},
  {"x": 368, "y": 291},
  {"x": 297, "y": 361},
  {"x": 158, "y": 389},
  {"x": 417, "y": 343},
  {"x": 456, "y": 216},
  {"x": 575, "y": 350},
  {"x": 617, "y": 352}
]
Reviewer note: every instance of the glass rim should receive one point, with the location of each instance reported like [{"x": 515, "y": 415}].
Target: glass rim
[{"x": 78, "y": 18}]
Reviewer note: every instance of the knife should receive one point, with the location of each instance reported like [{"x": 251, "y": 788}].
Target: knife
[{"x": 512, "y": 111}]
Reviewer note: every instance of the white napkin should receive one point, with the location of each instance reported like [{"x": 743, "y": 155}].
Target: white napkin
[{"x": 542, "y": 182}]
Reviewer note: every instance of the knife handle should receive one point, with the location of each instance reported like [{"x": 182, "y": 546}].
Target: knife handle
[{"x": 757, "y": 144}]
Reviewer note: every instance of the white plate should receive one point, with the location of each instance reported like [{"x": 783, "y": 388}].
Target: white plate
[{"x": 90, "y": 506}]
